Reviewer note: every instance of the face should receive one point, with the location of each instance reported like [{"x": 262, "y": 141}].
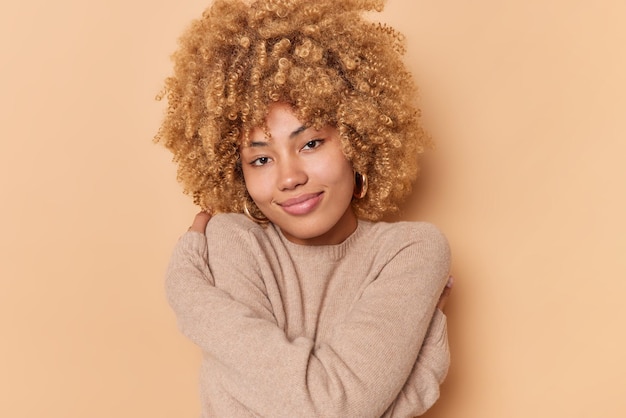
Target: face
[{"x": 300, "y": 179}]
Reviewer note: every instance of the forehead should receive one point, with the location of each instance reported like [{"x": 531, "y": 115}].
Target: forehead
[
  {"x": 282, "y": 117},
  {"x": 281, "y": 121}
]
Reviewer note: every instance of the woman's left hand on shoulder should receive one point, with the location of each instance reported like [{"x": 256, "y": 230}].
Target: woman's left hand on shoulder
[{"x": 200, "y": 222}]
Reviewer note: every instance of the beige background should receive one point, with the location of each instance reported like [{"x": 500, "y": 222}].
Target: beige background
[{"x": 526, "y": 99}]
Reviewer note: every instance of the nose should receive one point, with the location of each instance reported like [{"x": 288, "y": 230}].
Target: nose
[{"x": 291, "y": 174}]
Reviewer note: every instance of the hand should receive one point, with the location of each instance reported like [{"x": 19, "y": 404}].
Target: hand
[
  {"x": 445, "y": 294},
  {"x": 200, "y": 222}
]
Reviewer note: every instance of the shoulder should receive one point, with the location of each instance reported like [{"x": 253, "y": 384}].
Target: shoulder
[
  {"x": 229, "y": 224},
  {"x": 401, "y": 234},
  {"x": 418, "y": 244},
  {"x": 232, "y": 233}
]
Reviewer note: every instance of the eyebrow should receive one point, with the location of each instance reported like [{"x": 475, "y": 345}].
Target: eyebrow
[
  {"x": 298, "y": 131},
  {"x": 292, "y": 135}
]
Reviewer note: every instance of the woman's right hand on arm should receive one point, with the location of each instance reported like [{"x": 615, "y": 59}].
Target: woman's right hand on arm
[{"x": 445, "y": 294}]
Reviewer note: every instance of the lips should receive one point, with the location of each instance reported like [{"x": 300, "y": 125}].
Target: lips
[{"x": 302, "y": 204}]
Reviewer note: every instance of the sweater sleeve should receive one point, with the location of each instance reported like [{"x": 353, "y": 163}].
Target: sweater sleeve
[
  {"x": 358, "y": 371},
  {"x": 421, "y": 389}
]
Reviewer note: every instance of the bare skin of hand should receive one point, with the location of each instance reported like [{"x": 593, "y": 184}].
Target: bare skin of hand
[
  {"x": 445, "y": 294},
  {"x": 202, "y": 219},
  {"x": 200, "y": 222}
]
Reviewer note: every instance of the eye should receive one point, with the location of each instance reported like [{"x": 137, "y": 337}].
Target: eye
[
  {"x": 315, "y": 143},
  {"x": 261, "y": 161}
]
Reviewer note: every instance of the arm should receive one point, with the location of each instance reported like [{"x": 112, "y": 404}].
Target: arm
[
  {"x": 357, "y": 372},
  {"x": 421, "y": 389}
]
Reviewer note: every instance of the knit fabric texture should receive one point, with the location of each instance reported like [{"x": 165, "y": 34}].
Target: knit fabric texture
[{"x": 288, "y": 330}]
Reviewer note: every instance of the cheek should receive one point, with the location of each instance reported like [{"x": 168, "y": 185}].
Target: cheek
[
  {"x": 248, "y": 180},
  {"x": 344, "y": 173},
  {"x": 339, "y": 174},
  {"x": 254, "y": 184}
]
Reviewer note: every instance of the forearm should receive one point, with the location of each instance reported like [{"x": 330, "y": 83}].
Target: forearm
[{"x": 421, "y": 389}]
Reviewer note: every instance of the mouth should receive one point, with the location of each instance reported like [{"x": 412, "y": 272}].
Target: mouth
[{"x": 302, "y": 204}]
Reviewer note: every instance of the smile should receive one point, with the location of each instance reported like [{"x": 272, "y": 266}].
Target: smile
[{"x": 301, "y": 205}]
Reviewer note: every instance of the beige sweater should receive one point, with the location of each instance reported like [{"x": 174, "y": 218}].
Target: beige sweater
[{"x": 313, "y": 331}]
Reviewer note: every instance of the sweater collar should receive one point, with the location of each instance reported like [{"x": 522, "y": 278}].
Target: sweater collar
[{"x": 332, "y": 252}]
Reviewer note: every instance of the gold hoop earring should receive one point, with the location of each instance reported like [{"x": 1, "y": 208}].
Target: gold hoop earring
[
  {"x": 253, "y": 218},
  {"x": 360, "y": 185}
]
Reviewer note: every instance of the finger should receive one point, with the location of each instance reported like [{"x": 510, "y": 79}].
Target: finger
[
  {"x": 450, "y": 283},
  {"x": 443, "y": 298},
  {"x": 445, "y": 294},
  {"x": 200, "y": 222}
]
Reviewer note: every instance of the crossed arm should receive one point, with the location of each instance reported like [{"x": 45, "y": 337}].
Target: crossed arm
[{"x": 322, "y": 380}]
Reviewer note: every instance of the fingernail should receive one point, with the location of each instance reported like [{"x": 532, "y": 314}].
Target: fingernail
[{"x": 450, "y": 282}]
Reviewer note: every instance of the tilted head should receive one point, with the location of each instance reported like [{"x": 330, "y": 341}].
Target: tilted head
[{"x": 321, "y": 57}]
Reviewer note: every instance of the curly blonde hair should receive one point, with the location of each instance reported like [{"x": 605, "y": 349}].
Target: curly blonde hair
[{"x": 324, "y": 59}]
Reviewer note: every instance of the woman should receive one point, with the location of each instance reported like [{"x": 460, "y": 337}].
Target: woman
[{"x": 294, "y": 123}]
